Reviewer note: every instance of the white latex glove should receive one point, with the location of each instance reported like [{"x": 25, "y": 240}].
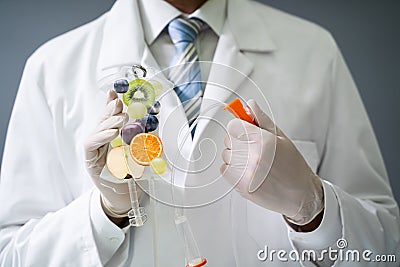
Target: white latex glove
[
  {"x": 114, "y": 196},
  {"x": 268, "y": 170}
]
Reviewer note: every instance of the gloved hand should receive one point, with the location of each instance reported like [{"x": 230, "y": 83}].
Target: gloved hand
[
  {"x": 114, "y": 196},
  {"x": 268, "y": 170}
]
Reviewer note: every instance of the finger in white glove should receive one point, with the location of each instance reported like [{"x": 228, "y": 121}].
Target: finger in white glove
[
  {"x": 97, "y": 144},
  {"x": 266, "y": 168},
  {"x": 115, "y": 195}
]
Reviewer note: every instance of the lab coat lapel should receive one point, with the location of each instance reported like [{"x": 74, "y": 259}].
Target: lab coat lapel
[
  {"x": 123, "y": 38},
  {"x": 231, "y": 67}
]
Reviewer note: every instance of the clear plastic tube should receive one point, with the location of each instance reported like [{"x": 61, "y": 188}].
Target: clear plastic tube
[
  {"x": 153, "y": 204},
  {"x": 137, "y": 215},
  {"x": 192, "y": 253}
]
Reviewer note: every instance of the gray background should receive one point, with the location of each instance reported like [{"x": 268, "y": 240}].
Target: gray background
[{"x": 367, "y": 31}]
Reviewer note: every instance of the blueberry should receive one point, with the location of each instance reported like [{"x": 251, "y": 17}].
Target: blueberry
[
  {"x": 150, "y": 122},
  {"x": 121, "y": 86},
  {"x": 155, "y": 108}
]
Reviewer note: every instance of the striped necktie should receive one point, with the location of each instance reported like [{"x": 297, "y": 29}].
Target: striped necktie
[{"x": 186, "y": 69}]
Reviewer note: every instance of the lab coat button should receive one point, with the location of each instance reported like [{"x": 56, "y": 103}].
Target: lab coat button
[{"x": 114, "y": 239}]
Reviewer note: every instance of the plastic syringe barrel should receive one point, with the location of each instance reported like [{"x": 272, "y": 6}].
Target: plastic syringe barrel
[{"x": 192, "y": 252}]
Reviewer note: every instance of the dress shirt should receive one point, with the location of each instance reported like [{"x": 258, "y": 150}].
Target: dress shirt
[{"x": 156, "y": 15}]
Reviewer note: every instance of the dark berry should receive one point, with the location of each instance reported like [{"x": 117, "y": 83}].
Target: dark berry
[
  {"x": 155, "y": 108},
  {"x": 150, "y": 122},
  {"x": 121, "y": 86}
]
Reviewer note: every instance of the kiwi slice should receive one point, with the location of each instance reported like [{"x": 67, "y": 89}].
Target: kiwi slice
[{"x": 139, "y": 91}]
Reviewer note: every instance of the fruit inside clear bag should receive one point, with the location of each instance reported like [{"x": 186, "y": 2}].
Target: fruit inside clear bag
[
  {"x": 138, "y": 147},
  {"x": 136, "y": 156}
]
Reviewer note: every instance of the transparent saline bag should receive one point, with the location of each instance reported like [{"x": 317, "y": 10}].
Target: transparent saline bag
[{"x": 136, "y": 156}]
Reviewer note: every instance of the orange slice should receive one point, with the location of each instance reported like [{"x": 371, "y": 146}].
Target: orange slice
[{"x": 145, "y": 147}]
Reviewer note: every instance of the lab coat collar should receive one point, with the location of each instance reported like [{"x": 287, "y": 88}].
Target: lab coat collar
[
  {"x": 214, "y": 13},
  {"x": 123, "y": 41},
  {"x": 248, "y": 27}
]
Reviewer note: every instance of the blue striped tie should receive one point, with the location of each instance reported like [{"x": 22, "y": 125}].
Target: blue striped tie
[{"x": 186, "y": 71}]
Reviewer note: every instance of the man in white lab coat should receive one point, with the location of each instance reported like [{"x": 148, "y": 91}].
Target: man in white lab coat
[{"x": 51, "y": 214}]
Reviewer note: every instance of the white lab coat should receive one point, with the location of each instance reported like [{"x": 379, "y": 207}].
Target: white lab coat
[{"x": 45, "y": 191}]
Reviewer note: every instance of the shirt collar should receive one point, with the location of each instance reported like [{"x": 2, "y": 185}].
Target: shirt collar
[{"x": 156, "y": 14}]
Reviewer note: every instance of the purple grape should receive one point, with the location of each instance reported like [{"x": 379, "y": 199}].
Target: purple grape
[
  {"x": 121, "y": 86},
  {"x": 150, "y": 122},
  {"x": 130, "y": 130},
  {"x": 155, "y": 108}
]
